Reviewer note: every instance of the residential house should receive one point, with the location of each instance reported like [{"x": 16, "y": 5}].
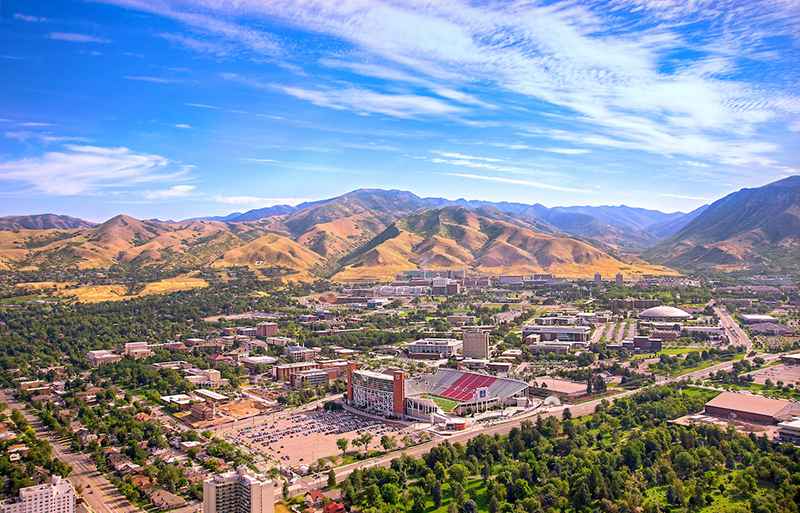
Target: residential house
[{"x": 163, "y": 500}]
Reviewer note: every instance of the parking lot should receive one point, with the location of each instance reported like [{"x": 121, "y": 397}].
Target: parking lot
[
  {"x": 306, "y": 437},
  {"x": 786, "y": 373}
]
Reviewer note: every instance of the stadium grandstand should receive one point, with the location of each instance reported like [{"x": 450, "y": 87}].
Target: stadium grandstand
[
  {"x": 392, "y": 394},
  {"x": 457, "y": 391}
]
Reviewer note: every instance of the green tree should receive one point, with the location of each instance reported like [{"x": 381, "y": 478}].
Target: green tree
[
  {"x": 371, "y": 494},
  {"x": 388, "y": 442},
  {"x": 390, "y": 493},
  {"x": 342, "y": 444},
  {"x": 417, "y": 497},
  {"x": 436, "y": 494},
  {"x": 458, "y": 473},
  {"x": 331, "y": 478},
  {"x": 458, "y": 494}
]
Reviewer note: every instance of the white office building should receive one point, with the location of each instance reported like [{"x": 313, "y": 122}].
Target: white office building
[
  {"x": 241, "y": 491},
  {"x": 55, "y": 497},
  {"x": 434, "y": 348}
]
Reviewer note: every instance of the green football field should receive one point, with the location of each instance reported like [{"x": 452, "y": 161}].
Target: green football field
[{"x": 445, "y": 404}]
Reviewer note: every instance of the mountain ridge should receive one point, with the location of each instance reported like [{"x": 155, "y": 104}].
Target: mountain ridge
[{"x": 751, "y": 228}]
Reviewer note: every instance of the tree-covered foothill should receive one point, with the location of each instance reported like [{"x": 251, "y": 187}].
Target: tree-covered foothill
[{"x": 625, "y": 457}]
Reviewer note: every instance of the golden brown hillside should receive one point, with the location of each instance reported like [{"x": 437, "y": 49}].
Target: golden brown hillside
[
  {"x": 346, "y": 248},
  {"x": 457, "y": 238},
  {"x": 269, "y": 251}
]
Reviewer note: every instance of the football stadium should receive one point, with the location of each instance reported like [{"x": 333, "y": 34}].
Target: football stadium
[{"x": 432, "y": 395}]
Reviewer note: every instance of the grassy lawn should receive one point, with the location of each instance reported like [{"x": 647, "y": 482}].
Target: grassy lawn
[
  {"x": 445, "y": 404},
  {"x": 18, "y": 299},
  {"x": 672, "y": 351},
  {"x": 708, "y": 394}
]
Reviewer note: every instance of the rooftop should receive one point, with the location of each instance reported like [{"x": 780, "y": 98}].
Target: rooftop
[
  {"x": 749, "y": 403},
  {"x": 664, "y": 312}
]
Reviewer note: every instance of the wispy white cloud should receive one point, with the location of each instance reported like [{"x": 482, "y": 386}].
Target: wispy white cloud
[
  {"x": 84, "y": 169},
  {"x": 257, "y": 202},
  {"x": 155, "y": 80},
  {"x": 467, "y": 157},
  {"x": 596, "y": 65},
  {"x": 365, "y": 101},
  {"x": 25, "y": 17},
  {"x": 12, "y": 57},
  {"x": 516, "y": 181},
  {"x": 76, "y": 38},
  {"x": 177, "y": 191},
  {"x": 201, "y": 105},
  {"x": 258, "y": 160},
  {"x": 44, "y": 136},
  {"x": 682, "y": 196},
  {"x": 182, "y": 125}
]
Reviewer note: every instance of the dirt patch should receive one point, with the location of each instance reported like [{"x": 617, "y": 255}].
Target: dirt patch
[{"x": 244, "y": 409}]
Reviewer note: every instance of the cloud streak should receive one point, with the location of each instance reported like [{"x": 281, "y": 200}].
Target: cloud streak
[
  {"x": 516, "y": 181},
  {"x": 177, "y": 191},
  {"x": 85, "y": 169},
  {"x": 257, "y": 202},
  {"x": 605, "y": 70},
  {"x": 76, "y": 38}
]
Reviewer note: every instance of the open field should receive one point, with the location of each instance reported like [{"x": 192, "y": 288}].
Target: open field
[{"x": 98, "y": 293}]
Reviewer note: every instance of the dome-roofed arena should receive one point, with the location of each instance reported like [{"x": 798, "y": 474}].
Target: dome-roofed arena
[{"x": 664, "y": 313}]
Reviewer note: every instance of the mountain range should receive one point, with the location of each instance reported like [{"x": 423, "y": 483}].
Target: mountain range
[{"x": 373, "y": 234}]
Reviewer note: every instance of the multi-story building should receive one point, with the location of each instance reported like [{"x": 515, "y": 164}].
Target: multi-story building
[
  {"x": 137, "y": 350},
  {"x": 101, "y": 356},
  {"x": 562, "y": 333},
  {"x": 266, "y": 329},
  {"x": 301, "y": 353},
  {"x": 203, "y": 411},
  {"x": 55, "y": 497},
  {"x": 241, "y": 491},
  {"x": 247, "y": 331},
  {"x": 638, "y": 304},
  {"x": 313, "y": 376},
  {"x": 476, "y": 344},
  {"x": 460, "y": 319},
  {"x": 618, "y": 279},
  {"x": 283, "y": 371},
  {"x": 434, "y": 348},
  {"x": 598, "y": 279}
]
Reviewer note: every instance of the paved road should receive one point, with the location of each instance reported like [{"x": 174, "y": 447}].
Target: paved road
[
  {"x": 101, "y": 496},
  {"x": 736, "y": 335}
]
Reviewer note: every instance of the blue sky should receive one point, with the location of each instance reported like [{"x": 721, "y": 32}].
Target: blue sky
[{"x": 182, "y": 108}]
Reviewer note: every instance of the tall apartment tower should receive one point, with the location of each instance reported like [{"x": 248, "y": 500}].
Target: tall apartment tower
[
  {"x": 55, "y": 497},
  {"x": 476, "y": 344},
  {"x": 598, "y": 279},
  {"x": 618, "y": 279},
  {"x": 241, "y": 491}
]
